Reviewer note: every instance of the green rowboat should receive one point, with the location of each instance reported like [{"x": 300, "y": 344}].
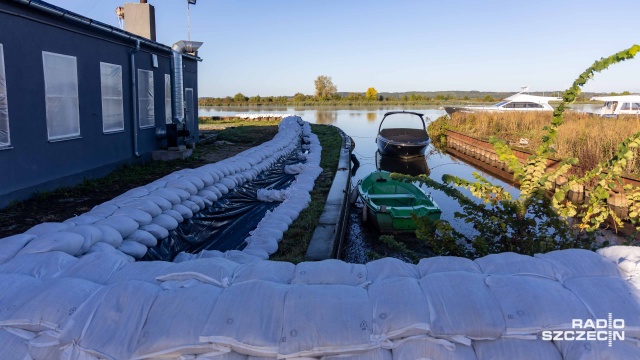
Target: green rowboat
[{"x": 390, "y": 203}]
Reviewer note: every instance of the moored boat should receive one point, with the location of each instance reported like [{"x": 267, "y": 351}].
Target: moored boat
[
  {"x": 618, "y": 105},
  {"x": 402, "y": 142},
  {"x": 516, "y": 102},
  {"x": 388, "y": 204}
]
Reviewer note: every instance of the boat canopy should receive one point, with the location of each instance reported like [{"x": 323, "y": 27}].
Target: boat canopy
[{"x": 532, "y": 98}]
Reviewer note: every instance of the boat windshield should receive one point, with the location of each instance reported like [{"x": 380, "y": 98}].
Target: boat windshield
[{"x": 500, "y": 103}]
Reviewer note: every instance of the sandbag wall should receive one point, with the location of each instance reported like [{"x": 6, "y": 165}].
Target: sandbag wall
[
  {"x": 139, "y": 218},
  {"x": 234, "y": 306}
]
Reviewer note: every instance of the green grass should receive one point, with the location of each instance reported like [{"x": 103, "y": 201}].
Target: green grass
[{"x": 293, "y": 246}]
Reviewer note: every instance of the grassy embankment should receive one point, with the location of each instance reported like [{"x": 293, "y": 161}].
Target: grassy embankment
[
  {"x": 587, "y": 138},
  {"x": 63, "y": 203}
]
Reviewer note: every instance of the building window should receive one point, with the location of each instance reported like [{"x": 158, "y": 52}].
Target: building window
[
  {"x": 167, "y": 98},
  {"x": 111, "y": 87},
  {"x": 5, "y": 140},
  {"x": 146, "y": 112},
  {"x": 61, "y": 93}
]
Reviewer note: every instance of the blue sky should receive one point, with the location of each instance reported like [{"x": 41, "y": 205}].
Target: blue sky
[{"x": 279, "y": 47}]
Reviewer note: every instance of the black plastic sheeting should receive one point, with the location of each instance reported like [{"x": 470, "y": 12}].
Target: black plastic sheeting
[{"x": 226, "y": 224}]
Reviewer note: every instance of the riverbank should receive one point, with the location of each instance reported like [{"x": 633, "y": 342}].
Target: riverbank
[
  {"x": 229, "y": 139},
  {"x": 590, "y": 139}
]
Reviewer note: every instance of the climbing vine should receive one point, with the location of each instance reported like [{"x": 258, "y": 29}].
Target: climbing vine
[{"x": 533, "y": 222}]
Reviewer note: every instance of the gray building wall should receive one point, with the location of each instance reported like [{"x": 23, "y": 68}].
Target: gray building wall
[{"x": 33, "y": 163}]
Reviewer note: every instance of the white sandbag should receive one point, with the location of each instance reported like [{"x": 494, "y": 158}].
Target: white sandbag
[
  {"x": 389, "y": 268},
  {"x": 39, "y": 265},
  {"x": 141, "y": 217},
  {"x": 229, "y": 325},
  {"x": 174, "y": 214},
  {"x": 108, "y": 324},
  {"x": 165, "y": 221},
  {"x": 266, "y": 243},
  {"x": 123, "y": 224},
  {"x": 163, "y": 203},
  {"x": 183, "y": 194},
  {"x": 47, "y": 227},
  {"x": 460, "y": 304},
  {"x": 145, "y": 205},
  {"x": 214, "y": 189},
  {"x": 184, "y": 185},
  {"x": 91, "y": 235},
  {"x": 156, "y": 230},
  {"x": 608, "y": 295},
  {"x": 146, "y": 271},
  {"x": 329, "y": 272},
  {"x": 135, "y": 193},
  {"x": 184, "y": 211},
  {"x": 339, "y": 323},
  {"x": 505, "y": 348},
  {"x": 96, "y": 267},
  {"x": 64, "y": 241},
  {"x": 266, "y": 232},
  {"x": 45, "y": 346},
  {"x": 175, "y": 322},
  {"x": 440, "y": 264},
  {"x": 168, "y": 194},
  {"x": 256, "y": 252},
  {"x": 198, "y": 200},
  {"x": 221, "y": 187},
  {"x": 209, "y": 195},
  {"x": 531, "y": 304},
  {"x": 271, "y": 195},
  {"x": 397, "y": 316},
  {"x": 422, "y": 348},
  {"x": 294, "y": 168},
  {"x": 626, "y": 257},
  {"x": 133, "y": 248},
  {"x": 571, "y": 263},
  {"x": 378, "y": 354},
  {"x": 240, "y": 257},
  {"x": 15, "y": 284},
  {"x": 515, "y": 264},
  {"x": 228, "y": 182},
  {"x": 13, "y": 346},
  {"x": 275, "y": 271},
  {"x": 46, "y": 305},
  {"x": 143, "y": 237},
  {"x": 598, "y": 350},
  {"x": 206, "y": 177},
  {"x": 195, "y": 180},
  {"x": 155, "y": 185},
  {"x": 10, "y": 246},
  {"x": 191, "y": 206},
  {"x": 219, "y": 269},
  {"x": 110, "y": 235},
  {"x": 84, "y": 219}
]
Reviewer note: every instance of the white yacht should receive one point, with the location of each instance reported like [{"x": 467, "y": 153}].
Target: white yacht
[
  {"x": 515, "y": 102},
  {"x": 618, "y": 105}
]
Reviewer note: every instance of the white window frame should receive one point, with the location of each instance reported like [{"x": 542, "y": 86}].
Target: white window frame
[
  {"x": 4, "y": 115},
  {"x": 50, "y": 99},
  {"x": 143, "y": 111},
  {"x": 168, "y": 111},
  {"x": 106, "y": 97}
]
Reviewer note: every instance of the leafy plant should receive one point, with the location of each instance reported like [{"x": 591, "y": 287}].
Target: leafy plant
[{"x": 532, "y": 222}]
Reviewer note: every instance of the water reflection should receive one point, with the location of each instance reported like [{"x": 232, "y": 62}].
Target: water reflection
[
  {"x": 326, "y": 117},
  {"x": 372, "y": 116},
  {"x": 412, "y": 166}
]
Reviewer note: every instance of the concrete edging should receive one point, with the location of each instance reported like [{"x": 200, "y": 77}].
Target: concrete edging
[{"x": 330, "y": 231}]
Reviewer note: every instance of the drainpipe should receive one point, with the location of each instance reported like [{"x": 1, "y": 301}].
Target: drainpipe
[
  {"x": 177, "y": 83},
  {"x": 134, "y": 98}
]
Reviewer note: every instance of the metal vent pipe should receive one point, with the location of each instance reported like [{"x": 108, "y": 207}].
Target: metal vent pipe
[{"x": 177, "y": 83}]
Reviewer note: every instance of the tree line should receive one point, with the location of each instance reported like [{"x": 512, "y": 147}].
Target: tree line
[{"x": 326, "y": 92}]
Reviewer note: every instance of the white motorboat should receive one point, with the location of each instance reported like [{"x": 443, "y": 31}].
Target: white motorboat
[
  {"x": 515, "y": 102},
  {"x": 618, "y": 105}
]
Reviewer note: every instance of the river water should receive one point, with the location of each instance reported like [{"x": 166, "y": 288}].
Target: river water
[{"x": 362, "y": 124}]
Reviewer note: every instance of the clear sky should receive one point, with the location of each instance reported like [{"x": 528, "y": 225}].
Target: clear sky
[{"x": 279, "y": 47}]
